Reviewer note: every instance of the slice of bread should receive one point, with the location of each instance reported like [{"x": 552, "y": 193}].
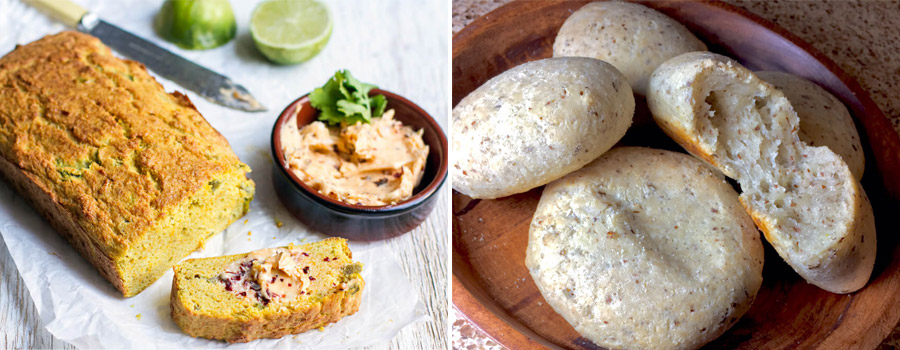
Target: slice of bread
[
  {"x": 824, "y": 120},
  {"x": 645, "y": 249},
  {"x": 267, "y": 293},
  {"x": 805, "y": 199}
]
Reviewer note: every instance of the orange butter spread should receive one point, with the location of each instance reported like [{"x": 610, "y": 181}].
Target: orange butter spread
[
  {"x": 367, "y": 164},
  {"x": 279, "y": 274}
]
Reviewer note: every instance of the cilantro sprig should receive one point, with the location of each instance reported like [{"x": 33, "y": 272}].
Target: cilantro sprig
[{"x": 345, "y": 99}]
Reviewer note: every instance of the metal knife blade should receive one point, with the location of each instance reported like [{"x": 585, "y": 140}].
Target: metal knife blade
[{"x": 211, "y": 85}]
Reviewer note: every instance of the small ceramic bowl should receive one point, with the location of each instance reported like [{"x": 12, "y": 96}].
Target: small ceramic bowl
[{"x": 359, "y": 222}]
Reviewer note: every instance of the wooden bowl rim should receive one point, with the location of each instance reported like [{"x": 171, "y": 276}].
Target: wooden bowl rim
[{"x": 516, "y": 335}]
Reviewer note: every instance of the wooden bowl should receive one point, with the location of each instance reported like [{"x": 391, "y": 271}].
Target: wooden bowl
[
  {"x": 494, "y": 290},
  {"x": 360, "y": 222}
]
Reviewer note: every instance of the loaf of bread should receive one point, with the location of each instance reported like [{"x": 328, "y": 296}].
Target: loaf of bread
[
  {"x": 645, "y": 249},
  {"x": 824, "y": 120},
  {"x": 632, "y": 37},
  {"x": 537, "y": 122},
  {"x": 134, "y": 178},
  {"x": 267, "y": 293},
  {"x": 806, "y": 201}
]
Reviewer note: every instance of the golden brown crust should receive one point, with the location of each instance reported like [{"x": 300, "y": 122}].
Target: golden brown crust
[
  {"x": 52, "y": 117},
  {"x": 234, "y": 330},
  {"x": 760, "y": 220},
  {"x": 202, "y": 307},
  {"x": 99, "y": 147},
  {"x": 60, "y": 219},
  {"x": 687, "y": 141}
]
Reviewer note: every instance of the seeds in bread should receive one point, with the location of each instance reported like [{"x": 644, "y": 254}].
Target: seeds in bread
[
  {"x": 824, "y": 120},
  {"x": 805, "y": 199},
  {"x": 134, "y": 178},
  {"x": 632, "y": 37},
  {"x": 535, "y": 123},
  {"x": 207, "y": 300},
  {"x": 645, "y": 249}
]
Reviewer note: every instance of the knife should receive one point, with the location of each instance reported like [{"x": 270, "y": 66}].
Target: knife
[{"x": 211, "y": 85}]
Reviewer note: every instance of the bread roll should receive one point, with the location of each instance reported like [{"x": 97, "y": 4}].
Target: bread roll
[
  {"x": 824, "y": 120},
  {"x": 632, "y": 37},
  {"x": 805, "y": 199},
  {"x": 645, "y": 249},
  {"x": 535, "y": 123}
]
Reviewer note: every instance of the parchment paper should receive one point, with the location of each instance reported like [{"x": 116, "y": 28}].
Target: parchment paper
[{"x": 82, "y": 308}]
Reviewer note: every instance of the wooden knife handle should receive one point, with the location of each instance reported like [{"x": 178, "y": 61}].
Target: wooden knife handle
[{"x": 69, "y": 13}]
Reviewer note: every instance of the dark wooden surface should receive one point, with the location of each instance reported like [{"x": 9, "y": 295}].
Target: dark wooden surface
[{"x": 491, "y": 285}]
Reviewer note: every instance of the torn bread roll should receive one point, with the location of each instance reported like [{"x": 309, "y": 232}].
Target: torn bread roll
[
  {"x": 805, "y": 199},
  {"x": 824, "y": 120}
]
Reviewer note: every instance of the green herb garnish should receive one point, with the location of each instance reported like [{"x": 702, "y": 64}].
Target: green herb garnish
[{"x": 345, "y": 99}]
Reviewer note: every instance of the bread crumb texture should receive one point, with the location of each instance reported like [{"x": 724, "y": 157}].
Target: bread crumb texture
[
  {"x": 824, "y": 120},
  {"x": 202, "y": 305},
  {"x": 806, "y": 201},
  {"x": 132, "y": 176},
  {"x": 645, "y": 249}
]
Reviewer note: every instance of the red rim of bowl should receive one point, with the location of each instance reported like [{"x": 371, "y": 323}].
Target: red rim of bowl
[{"x": 410, "y": 202}]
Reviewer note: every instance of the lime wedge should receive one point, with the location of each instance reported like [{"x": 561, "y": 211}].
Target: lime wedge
[{"x": 290, "y": 31}]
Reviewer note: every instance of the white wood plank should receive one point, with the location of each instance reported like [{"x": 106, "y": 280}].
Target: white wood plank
[{"x": 422, "y": 252}]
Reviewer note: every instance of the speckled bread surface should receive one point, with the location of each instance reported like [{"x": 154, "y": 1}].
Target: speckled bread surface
[
  {"x": 134, "y": 178},
  {"x": 645, "y": 249},
  {"x": 535, "y": 123},
  {"x": 632, "y": 37},
  {"x": 202, "y": 306},
  {"x": 824, "y": 120},
  {"x": 806, "y": 201}
]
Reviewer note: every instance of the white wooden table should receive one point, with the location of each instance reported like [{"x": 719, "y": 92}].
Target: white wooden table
[
  {"x": 419, "y": 39},
  {"x": 422, "y": 253}
]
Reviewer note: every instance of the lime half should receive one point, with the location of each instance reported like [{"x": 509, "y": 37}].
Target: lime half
[{"x": 290, "y": 31}]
